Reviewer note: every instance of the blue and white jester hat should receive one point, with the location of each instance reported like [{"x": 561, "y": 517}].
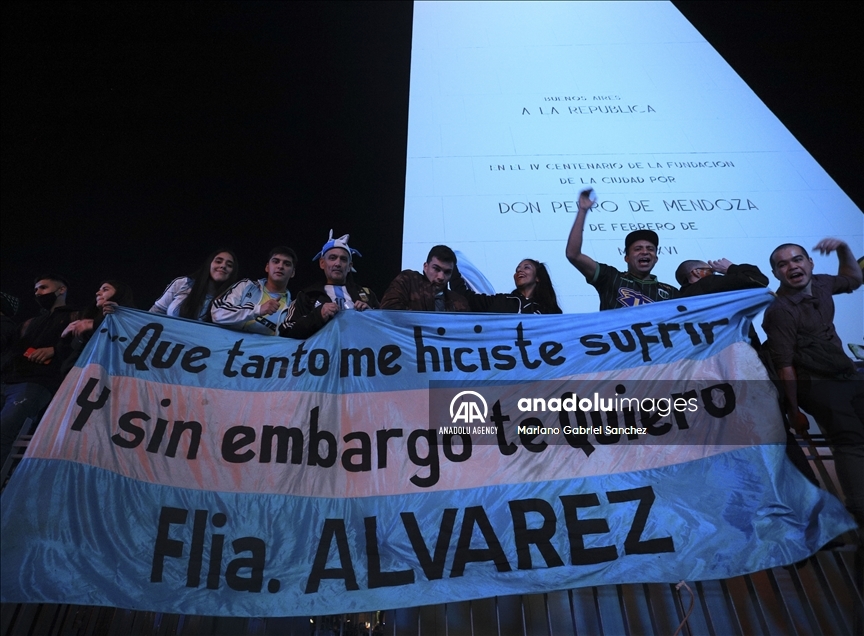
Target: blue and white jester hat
[{"x": 342, "y": 242}]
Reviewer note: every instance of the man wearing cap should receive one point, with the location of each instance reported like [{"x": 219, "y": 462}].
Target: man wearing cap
[
  {"x": 636, "y": 286},
  {"x": 316, "y": 305},
  {"x": 258, "y": 306}
]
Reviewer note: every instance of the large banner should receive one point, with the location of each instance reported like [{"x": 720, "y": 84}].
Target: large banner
[{"x": 399, "y": 459}]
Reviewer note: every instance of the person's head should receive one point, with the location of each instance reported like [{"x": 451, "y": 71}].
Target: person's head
[
  {"x": 280, "y": 267},
  {"x": 336, "y": 259},
  {"x": 216, "y": 274},
  {"x": 689, "y": 272},
  {"x": 533, "y": 281},
  {"x": 336, "y": 263},
  {"x": 525, "y": 276},
  {"x": 50, "y": 291},
  {"x": 792, "y": 266},
  {"x": 222, "y": 267},
  {"x": 116, "y": 291},
  {"x": 439, "y": 265},
  {"x": 640, "y": 252}
]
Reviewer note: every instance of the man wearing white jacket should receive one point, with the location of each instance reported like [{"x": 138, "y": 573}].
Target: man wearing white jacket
[{"x": 259, "y": 306}]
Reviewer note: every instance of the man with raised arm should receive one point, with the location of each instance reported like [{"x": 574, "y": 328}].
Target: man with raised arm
[
  {"x": 808, "y": 355},
  {"x": 258, "y": 306},
  {"x": 316, "y": 305},
  {"x": 636, "y": 286},
  {"x": 427, "y": 291}
]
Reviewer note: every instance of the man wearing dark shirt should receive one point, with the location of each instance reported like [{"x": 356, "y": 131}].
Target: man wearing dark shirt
[
  {"x": 427, "y": 291},
  {"x": 698, "y": 277},
  {"x": 636, "y": 286},
  {"x": 808, "y": 355},
  {"x": 316, "y": 305},
  {"x": 32, "y": 366}
]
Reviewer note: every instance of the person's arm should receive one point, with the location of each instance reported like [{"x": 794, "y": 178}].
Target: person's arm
[
  {"x": 476, "y": 301},
  {"x": 77, "y": 328},
  {"x": 177, "y": 287},
  {"x": 734, "y": 277},
  {"x": 456, "y": 302},
  {"x": 59, "y": 350},
  {"x": 749, "y": 275},
  {"x": 721, "y": 265},
  {"x": 584, "y": 263},
  {"x": 233, "y": 308},
  {"x": 797, "y": 419},
  {"x": 304, "y": 318},
  {"x": 848, "y": 265},
  {"x": 43, "y": 355},
  {"x": 398, "y": 295},
  {"x": 781, "y": 329},
  {"x": 458, "y": 284}
]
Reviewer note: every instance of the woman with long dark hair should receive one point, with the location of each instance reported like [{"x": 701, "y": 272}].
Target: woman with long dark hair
[
  {"x": 110, "y": 295},
  {"x": 191, "y": 296},
  {"x": 534, "y": 293}
]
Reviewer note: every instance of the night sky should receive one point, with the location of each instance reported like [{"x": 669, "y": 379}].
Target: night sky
[{"x": 138, "y": 137}]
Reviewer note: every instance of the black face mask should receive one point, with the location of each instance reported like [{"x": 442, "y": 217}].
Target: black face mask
[{"x": 46, "y": 301}]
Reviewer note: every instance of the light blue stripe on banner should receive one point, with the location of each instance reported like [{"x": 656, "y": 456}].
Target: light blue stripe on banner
[
  {"x": 76, "y": 534},
  {"x": 382, "y": 351}
]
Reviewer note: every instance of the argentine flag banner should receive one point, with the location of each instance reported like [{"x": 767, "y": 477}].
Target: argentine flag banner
[{"x": 398, "y": 459}]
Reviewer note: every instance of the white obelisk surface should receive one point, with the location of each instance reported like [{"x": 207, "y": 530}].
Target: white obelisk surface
[{"x": 515, "y": 107}]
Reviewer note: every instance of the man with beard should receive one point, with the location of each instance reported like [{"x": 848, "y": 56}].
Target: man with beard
[
  {"x": 427, "y": 291},
  {"x": 316, "y": 305},
  {"x": 32, "y": 364},
  {"x": 637, "y": 286},
  {"x": 808, "y": 355}
]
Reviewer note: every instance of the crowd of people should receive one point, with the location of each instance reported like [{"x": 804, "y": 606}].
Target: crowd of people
[{"x": 802, "y": 351}]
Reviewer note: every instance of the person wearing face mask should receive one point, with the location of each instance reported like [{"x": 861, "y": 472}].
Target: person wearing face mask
[
  {"x": 110, "y": 295},
  {"x": 31, "y": 370},
  {"x": 191, "y": 296},
  {"x": 427, "y": 291},
  {"x": 534, "y": 293},
  {"x": 316, "y": 305}
]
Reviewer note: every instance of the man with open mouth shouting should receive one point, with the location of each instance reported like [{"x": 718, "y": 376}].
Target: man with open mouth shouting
[
  {"x": 817, "y": 375},
  {"x": 636, "y": 286}
]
